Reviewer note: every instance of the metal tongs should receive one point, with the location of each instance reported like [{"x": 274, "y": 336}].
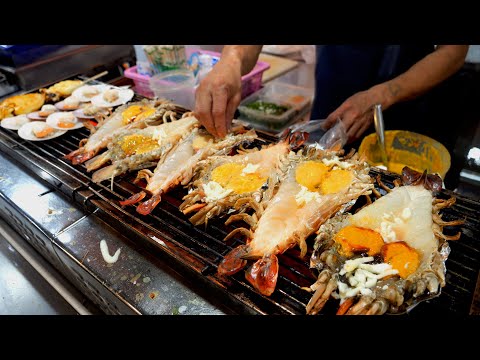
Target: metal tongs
[{"x": 380, "y": 130}]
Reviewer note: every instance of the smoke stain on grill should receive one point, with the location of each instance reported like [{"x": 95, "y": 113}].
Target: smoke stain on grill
[
  {"x": 134, "y": 279},
  {"x": 175, "y": 311}
]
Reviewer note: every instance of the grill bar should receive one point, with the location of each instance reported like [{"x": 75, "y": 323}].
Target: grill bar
[{"x": 197, "y": 251}]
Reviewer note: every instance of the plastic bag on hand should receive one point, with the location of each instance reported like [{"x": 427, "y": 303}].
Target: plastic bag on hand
[{"x": 334, "y": 138}]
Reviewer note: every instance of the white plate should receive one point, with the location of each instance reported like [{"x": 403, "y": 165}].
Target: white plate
[
  {"x": 26, "y": 131},
  {"x": 35, "y": 116},
  {"x": 14, "y": 122},
  {"x": 52, "y": 121},
  {"x": 79, "y": 113},
  {"x": 78, "y": 93},
  {"x": 124, "y": 96}
]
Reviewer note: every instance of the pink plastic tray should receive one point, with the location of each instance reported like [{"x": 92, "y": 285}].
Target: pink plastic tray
[{"x": 250, "y": 82}]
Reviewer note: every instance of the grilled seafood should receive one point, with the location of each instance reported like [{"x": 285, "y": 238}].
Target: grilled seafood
[
  {"x": 135, "y": 115},
  {"x": 136, "y": 149},
  {"x": 70, "y": 103},
  {"x": 110, "y": 95},
  {"x": 60, "y": 90},
  {"x": 237, "y": 182},
  {"x": 386, "y": 257},
  {"x": 178, "y": 166},
  {"x": 47, "y": 110},
  {"x": 316, "y": 185},
  {"x": 21, "y": 104},
  {"x": 44, "y": 132}
]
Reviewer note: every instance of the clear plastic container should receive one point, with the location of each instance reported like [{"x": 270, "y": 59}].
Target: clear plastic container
[
  {"x": 251, "y": 82},
  {"x": 176, "y": 85},
  {"x": 276, "y": 106}
]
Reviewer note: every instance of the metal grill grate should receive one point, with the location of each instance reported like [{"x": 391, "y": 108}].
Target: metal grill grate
[{"x": 197, "y": 251}]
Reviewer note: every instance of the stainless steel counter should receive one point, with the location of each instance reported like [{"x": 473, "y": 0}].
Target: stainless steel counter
[
  {"x": 22, "y": 289},
  {"x": 137, "y": 283}
]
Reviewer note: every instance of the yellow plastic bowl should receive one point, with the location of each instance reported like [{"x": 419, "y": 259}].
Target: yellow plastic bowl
[{"x": 417, "y": 151}]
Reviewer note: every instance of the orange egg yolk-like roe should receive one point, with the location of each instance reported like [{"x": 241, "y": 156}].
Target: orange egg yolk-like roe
[
  {"x": 137, "y": 144},
  {"x": 231, "y": 176},
  {"x": 310, "y": 174},
  {"x": 65, "y": 124},
  {"x": 316, "y": 176},
  {"x": 136, "y": 113},
  {"x": 402, "y": 258},
  {"x": 354, "y": 239}
]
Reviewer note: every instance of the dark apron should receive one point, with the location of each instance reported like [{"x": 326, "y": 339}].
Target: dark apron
[{"x": 343, "y": 70}]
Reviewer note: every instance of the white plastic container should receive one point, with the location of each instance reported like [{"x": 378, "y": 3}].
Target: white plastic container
[
  {"x": 296, "y": 99},
  {"x": 177, "y": 86}
]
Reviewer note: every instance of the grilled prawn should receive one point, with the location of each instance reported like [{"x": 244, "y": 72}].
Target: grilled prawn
[
  {"x": 178, "y": 166},
  {"x": 387, "y": 256},
  {"x": 316, "y": 185},
  {"x": 134, "y": 149},
  {"x": 236, "y": 182},
  {"x": 134, "y": 115}
]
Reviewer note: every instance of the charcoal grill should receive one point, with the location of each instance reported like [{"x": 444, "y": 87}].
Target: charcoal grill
[{"x": 195, "y": 252}]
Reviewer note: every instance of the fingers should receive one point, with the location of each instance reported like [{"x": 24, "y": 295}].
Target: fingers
[
  {"x": 219, "y": 109},
  {"x": 357, "y": 128},
  {"x": 362, "y": 130},
  {"x": 231, "y": 107},
  {"x": 351, "y": 133},
  {"x": 331, "y": 119},
  {"x": 203, "y": 110},
  {"x": 216, "y": 100}
]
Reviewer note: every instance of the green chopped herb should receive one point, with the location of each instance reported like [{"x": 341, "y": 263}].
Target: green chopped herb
[{"x": 268, "y": 107}]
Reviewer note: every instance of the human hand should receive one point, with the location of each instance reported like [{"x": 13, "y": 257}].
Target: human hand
[
  {"x": 356, "y": 113},
  {"x": 217, "y": 97}
]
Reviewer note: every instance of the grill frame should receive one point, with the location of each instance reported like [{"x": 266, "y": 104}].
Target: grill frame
[{"x": 195, "y": 253}]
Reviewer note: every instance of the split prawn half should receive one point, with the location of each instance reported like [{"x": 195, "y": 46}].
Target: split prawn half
[
  {"x": 388, "y": 256},
  {"x": 178, "y": 167},
  {"x": 135, "y": 149},
  {"x": 239, "y": 182},
  {"x": 316, "y": 185},
  {"x": 134, "y": 115}
]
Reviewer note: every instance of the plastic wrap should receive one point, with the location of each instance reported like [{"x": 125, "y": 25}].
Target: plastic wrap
[{"x": 334, "y": 138}]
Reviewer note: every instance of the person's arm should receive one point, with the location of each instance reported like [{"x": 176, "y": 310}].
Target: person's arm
[
  {"x": 356, "y": 112},
  {"x": 219, "y": 93}
]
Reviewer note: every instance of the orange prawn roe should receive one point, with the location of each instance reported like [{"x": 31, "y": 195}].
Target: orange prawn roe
[
  {"x": 354, "y": 239},
  {"x": 335, "y": 181},
  {"x": 137, "y": 144},
  {"x": 402, "y": 258},
  {"x": 310, "y": 174},
  {"x": 231, "y": 176},
  {"x": 136, "y": 113}
]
